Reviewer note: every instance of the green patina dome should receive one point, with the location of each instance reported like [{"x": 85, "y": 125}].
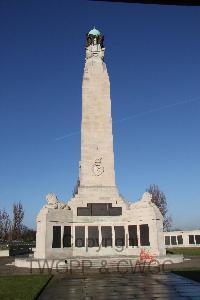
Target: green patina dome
[{"x": 94, "y": 31}]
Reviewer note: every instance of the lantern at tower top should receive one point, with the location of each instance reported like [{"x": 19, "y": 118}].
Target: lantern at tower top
[{"x": 94, "y": 44}]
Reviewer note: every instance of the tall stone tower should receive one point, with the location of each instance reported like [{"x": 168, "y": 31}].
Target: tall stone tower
[
  {"x": 97, "y": 221},
  {"x": 97, "y": 157}
]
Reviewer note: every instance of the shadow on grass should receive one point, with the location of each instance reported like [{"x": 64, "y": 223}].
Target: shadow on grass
[
  {"x": 190, "y": 274},
  {"x": 22, "y": 287}
]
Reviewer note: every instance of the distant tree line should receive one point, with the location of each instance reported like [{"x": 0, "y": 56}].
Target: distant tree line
[{"x": 13, "y": 228}]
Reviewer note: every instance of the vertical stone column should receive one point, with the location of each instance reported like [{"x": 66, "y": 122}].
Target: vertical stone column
[
  {"x": 126, "y": 236},
  {"x": 62, "y": 234},
  {"x": 86, "y": 237},
  {"x": 185, "y": 240},
  {"x": 100, "y": 239},
  {"x": 73, "y": 236},
  {"x": 113, "y": 237},
  {"x": 138, "y": 234}
]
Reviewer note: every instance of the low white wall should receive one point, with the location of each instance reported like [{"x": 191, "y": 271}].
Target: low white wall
[
  {"x": 4, "y": 253},
  {"x": 182, "y": 239}
]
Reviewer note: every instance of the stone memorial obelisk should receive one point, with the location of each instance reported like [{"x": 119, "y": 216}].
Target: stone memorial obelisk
[
  {"x": 97, "y": 157},
  {"x": 97, "y": 221}
]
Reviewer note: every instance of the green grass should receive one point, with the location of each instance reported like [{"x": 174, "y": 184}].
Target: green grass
[
  {"x": 184, "y": 251},
  {"x": 22, "y": 287},
  {"x": 191, "y": 274}
]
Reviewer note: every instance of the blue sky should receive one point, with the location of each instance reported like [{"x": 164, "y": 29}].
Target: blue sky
[{"x": 152, "y": 56}]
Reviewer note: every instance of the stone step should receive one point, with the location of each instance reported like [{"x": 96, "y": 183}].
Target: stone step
[{"x": 95, "y": 263}]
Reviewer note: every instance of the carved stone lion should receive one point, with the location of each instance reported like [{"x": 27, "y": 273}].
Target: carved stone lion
[{"x": 54, "y": 203}]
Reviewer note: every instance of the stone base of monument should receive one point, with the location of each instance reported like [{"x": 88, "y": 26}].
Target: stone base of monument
[
  {"x": 109, "y": 263},
  {"x": 99, "y": 223}
]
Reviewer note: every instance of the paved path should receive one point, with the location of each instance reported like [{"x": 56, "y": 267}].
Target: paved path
[{"x": 116, "y": 286}]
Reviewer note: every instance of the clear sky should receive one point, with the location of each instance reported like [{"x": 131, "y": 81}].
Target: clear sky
[{"x": 153, "y": 60}]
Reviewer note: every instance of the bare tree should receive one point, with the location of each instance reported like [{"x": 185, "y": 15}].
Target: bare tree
[
  {"x": 158, "y": 197},
  {"x": 5, "y": 225},
  {"x": 18, "y": 216}
]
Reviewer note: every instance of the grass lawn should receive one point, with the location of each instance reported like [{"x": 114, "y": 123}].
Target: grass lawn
[
  {"x": 191, "y": 274},
  {"x": 22, "y": 287},
  {"x": 184, "y": 251}
]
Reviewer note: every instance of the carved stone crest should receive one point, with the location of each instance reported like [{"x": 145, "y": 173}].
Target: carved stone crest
[{"x": 97, "y": 167}]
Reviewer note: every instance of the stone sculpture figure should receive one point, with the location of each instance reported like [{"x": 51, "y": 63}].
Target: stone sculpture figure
[{"x": 54, "y": 203}]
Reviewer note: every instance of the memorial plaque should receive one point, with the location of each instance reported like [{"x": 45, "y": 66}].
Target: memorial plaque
[
  {"x": 99, "y": 209},
  {"x": 115, "y": 211},
  {"x": 144, "y": 235},
  {"x": 180, "y": 239},
  {"x": 173, "y": 240},
  {"x": 79, "y": 236},
  {"x": 191, "y": 239},
  {"x": 56, "y": 243},
  {"x": 83, "y": 211},
  {"x": 93, "y": 236},
  {"x": 167, "y": 240},
  {"x": 106, "y": 233},
  {"x": 119, "y": 236},
  {"x": 67, "y": 237},
  {"x": 132, "y": 231},
  {"x": 197, "y": 238}
]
